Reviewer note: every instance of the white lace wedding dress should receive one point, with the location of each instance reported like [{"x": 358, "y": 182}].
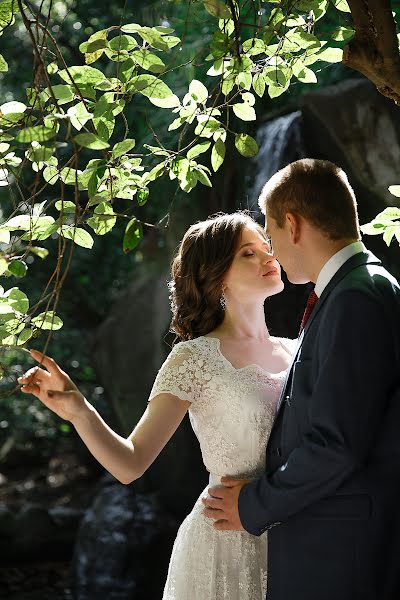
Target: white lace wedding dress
[{"x": 232, "y": 412}]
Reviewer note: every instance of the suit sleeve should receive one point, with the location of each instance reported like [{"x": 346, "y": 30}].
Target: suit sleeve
[{"x": 346, "y": 407}]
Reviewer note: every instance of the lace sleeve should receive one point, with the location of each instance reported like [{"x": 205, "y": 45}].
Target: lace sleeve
[{"x": 180, "y": 374}]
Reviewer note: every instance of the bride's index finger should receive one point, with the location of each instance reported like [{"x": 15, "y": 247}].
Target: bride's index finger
[{"x": 46, "y": 361}]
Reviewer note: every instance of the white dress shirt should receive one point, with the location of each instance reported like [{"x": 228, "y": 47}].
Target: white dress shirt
[{"x": 334, "y": 263}]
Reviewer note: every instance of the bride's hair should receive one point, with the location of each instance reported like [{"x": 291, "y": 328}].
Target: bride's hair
[{"x": 203, "y": 258}]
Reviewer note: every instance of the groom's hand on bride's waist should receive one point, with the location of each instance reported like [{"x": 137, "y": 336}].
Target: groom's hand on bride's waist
[{"x": 221, "y": 504}]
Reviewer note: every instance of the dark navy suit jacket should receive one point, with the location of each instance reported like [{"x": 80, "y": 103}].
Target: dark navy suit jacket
[{"x": 330, "y": 496}]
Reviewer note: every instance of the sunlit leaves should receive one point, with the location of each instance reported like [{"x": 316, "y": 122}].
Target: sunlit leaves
[
  {"x": 218, "y": 154},
  {"x": 3, "y": 64},
  {"x": 38, "y": 133},
  {"x": 386, "y": 223},
  {"x": 156, "y": 91},
  {"x": 103, "y": 219},
  {"x": 79, "y": 236},
  {"x": 246, "y": 145},
  {"x": 47, "y": 320},
  {"x": 341, "y": 5},
  {"x": 12, "y": 107},
  {"x": 82, "y": 74},
  {"x": 133, "y": 235},
  {"x": 198, "y": 149},
  {"x": 123, "y": 147},
  {"x": 217, "y": 8},
  {"x": 331, "y": 55},
  {"x": 244, "y": 111},
  {"x": 147, "y": 60},
  {"x": 342, "y": 34},
  {"x": 92, "y": 141}
]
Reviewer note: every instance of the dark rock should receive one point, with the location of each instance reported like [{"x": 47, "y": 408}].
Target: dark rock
[{"x": 123, "y": 546}]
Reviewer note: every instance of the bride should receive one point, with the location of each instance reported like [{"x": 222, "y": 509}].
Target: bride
[{"x": 227, "y": 372}]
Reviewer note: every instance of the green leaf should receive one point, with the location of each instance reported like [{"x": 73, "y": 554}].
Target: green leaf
[
  {"x": 198, "y": 149},
  {"x": 218, "y": 154},
  {"x": 142, "y": 196},
  {"x": 259, "y": 84},
  {"x": 254, "y": 46},
  {"x": 51, "y": 175},
  {"x": 122, "y": 42},
  {"x": 17, "y": 268},
  {"x": 79, "y": 115},
  {"x": 156, "y": 90},
  {"x": 133, "y": 235},
  {"x": 330, "y": 55},
  {"x": 202, "y": 177},
  {"x": 341, "y": 5},
  {"x": 4, "y": 237},
  {"x": 342, "y": 34},
  {"x": 63, "y": 93},
  {"x": 244, "y": 111},
  {"x": 123, "y": 147},
  {"x": 303, "y": 73},
  {"x": 3, "y": 64},
  {"x": 80, "y": 236},
  {"x": 148, "y": 61},
  {"x": 246, "y": 145},
  {"x": 395, "y": 190},
  {"x": 17, "y": 300},
  {"x": 103, "y": 220},
  {"x": 218, "y": 9},
  {"x": 389, "y": 214},
  {"x": 244, "y": 80},
  {"x": 66, "y": 207},
  {"x": 153, "y": 37},
  {"x": 92, "y": 141},
  {"x": 389, "y": 233},
  {"x": 40, "y": 252},
  {"x": 82, "y": 75},
  {"x": 207, "y": 126},
  {"x": 24, "y": 336},
  {"x": 39, "y": 133},
  {"x": 198, "y": 91},
  {"x": 3, "y": 267},
  {"x": 12, "y": 107},
  {"x": 47, "y": 321}
]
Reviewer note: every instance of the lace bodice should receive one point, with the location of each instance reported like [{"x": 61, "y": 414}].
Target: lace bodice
[{"x": 232, "y": 409}]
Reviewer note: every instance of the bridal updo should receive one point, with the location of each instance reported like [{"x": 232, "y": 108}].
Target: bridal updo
[{"x": 198, "y": 269}]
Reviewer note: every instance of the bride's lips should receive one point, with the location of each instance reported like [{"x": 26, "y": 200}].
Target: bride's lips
[{"x": 271, "y": 272}]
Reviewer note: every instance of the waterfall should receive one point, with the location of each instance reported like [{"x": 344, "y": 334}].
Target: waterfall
[{"x": 280, "y": 142}]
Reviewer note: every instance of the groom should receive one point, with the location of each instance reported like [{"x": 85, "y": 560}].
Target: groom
[{"x": 330, "y": 494}]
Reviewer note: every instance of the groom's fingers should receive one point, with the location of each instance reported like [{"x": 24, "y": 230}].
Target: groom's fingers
[{"x": 212, "y": 502}]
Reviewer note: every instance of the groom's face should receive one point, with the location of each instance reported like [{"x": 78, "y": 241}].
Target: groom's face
[{"x": 284, "y": 250}]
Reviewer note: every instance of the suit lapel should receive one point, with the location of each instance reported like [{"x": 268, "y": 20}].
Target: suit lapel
[
  {"x": 362, "y": 258},
  {"x": 359, "y": 259}
]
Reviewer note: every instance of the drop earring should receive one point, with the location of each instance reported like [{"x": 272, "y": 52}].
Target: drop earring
[{"x": 222, "y": 300}]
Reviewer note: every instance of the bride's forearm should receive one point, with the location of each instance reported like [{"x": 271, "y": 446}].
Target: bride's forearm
[{"x": 113, "y": 451}]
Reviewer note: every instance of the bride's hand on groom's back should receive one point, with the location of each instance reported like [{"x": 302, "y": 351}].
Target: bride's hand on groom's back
[{"x": 53, "y": 387}]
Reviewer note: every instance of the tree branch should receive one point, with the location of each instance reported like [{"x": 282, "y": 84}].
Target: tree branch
[{"x": 374, "y": 50}]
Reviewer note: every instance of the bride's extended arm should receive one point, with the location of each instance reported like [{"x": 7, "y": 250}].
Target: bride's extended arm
[{"x": 125, "y": 458}]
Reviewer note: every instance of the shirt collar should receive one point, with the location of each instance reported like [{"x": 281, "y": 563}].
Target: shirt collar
[{"x": 333, "y": 265}]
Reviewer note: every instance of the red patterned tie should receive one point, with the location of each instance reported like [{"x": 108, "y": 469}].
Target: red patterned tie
[{"x": 312, "y": 298}]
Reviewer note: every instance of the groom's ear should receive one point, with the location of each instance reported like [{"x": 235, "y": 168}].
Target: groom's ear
[{"x": 293, "y": 224}]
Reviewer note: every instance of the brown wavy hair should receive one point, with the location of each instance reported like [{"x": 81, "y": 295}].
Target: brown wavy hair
[{"x": 203, "y": 258}]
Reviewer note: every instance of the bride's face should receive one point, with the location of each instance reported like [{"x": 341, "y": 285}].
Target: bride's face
[{"x": 254, "y": 272}]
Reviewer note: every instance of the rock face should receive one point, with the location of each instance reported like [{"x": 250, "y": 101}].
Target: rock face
[{"x": 123, "y": 546}]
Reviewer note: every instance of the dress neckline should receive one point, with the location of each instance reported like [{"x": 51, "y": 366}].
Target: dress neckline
[{"x": 249, "y": 366}]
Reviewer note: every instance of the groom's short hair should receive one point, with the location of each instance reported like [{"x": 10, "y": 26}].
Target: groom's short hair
[{"x": 319, "y": 191}]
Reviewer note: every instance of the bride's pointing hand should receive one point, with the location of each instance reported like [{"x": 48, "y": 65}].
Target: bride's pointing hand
[{"x": 53, "y": 387}]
